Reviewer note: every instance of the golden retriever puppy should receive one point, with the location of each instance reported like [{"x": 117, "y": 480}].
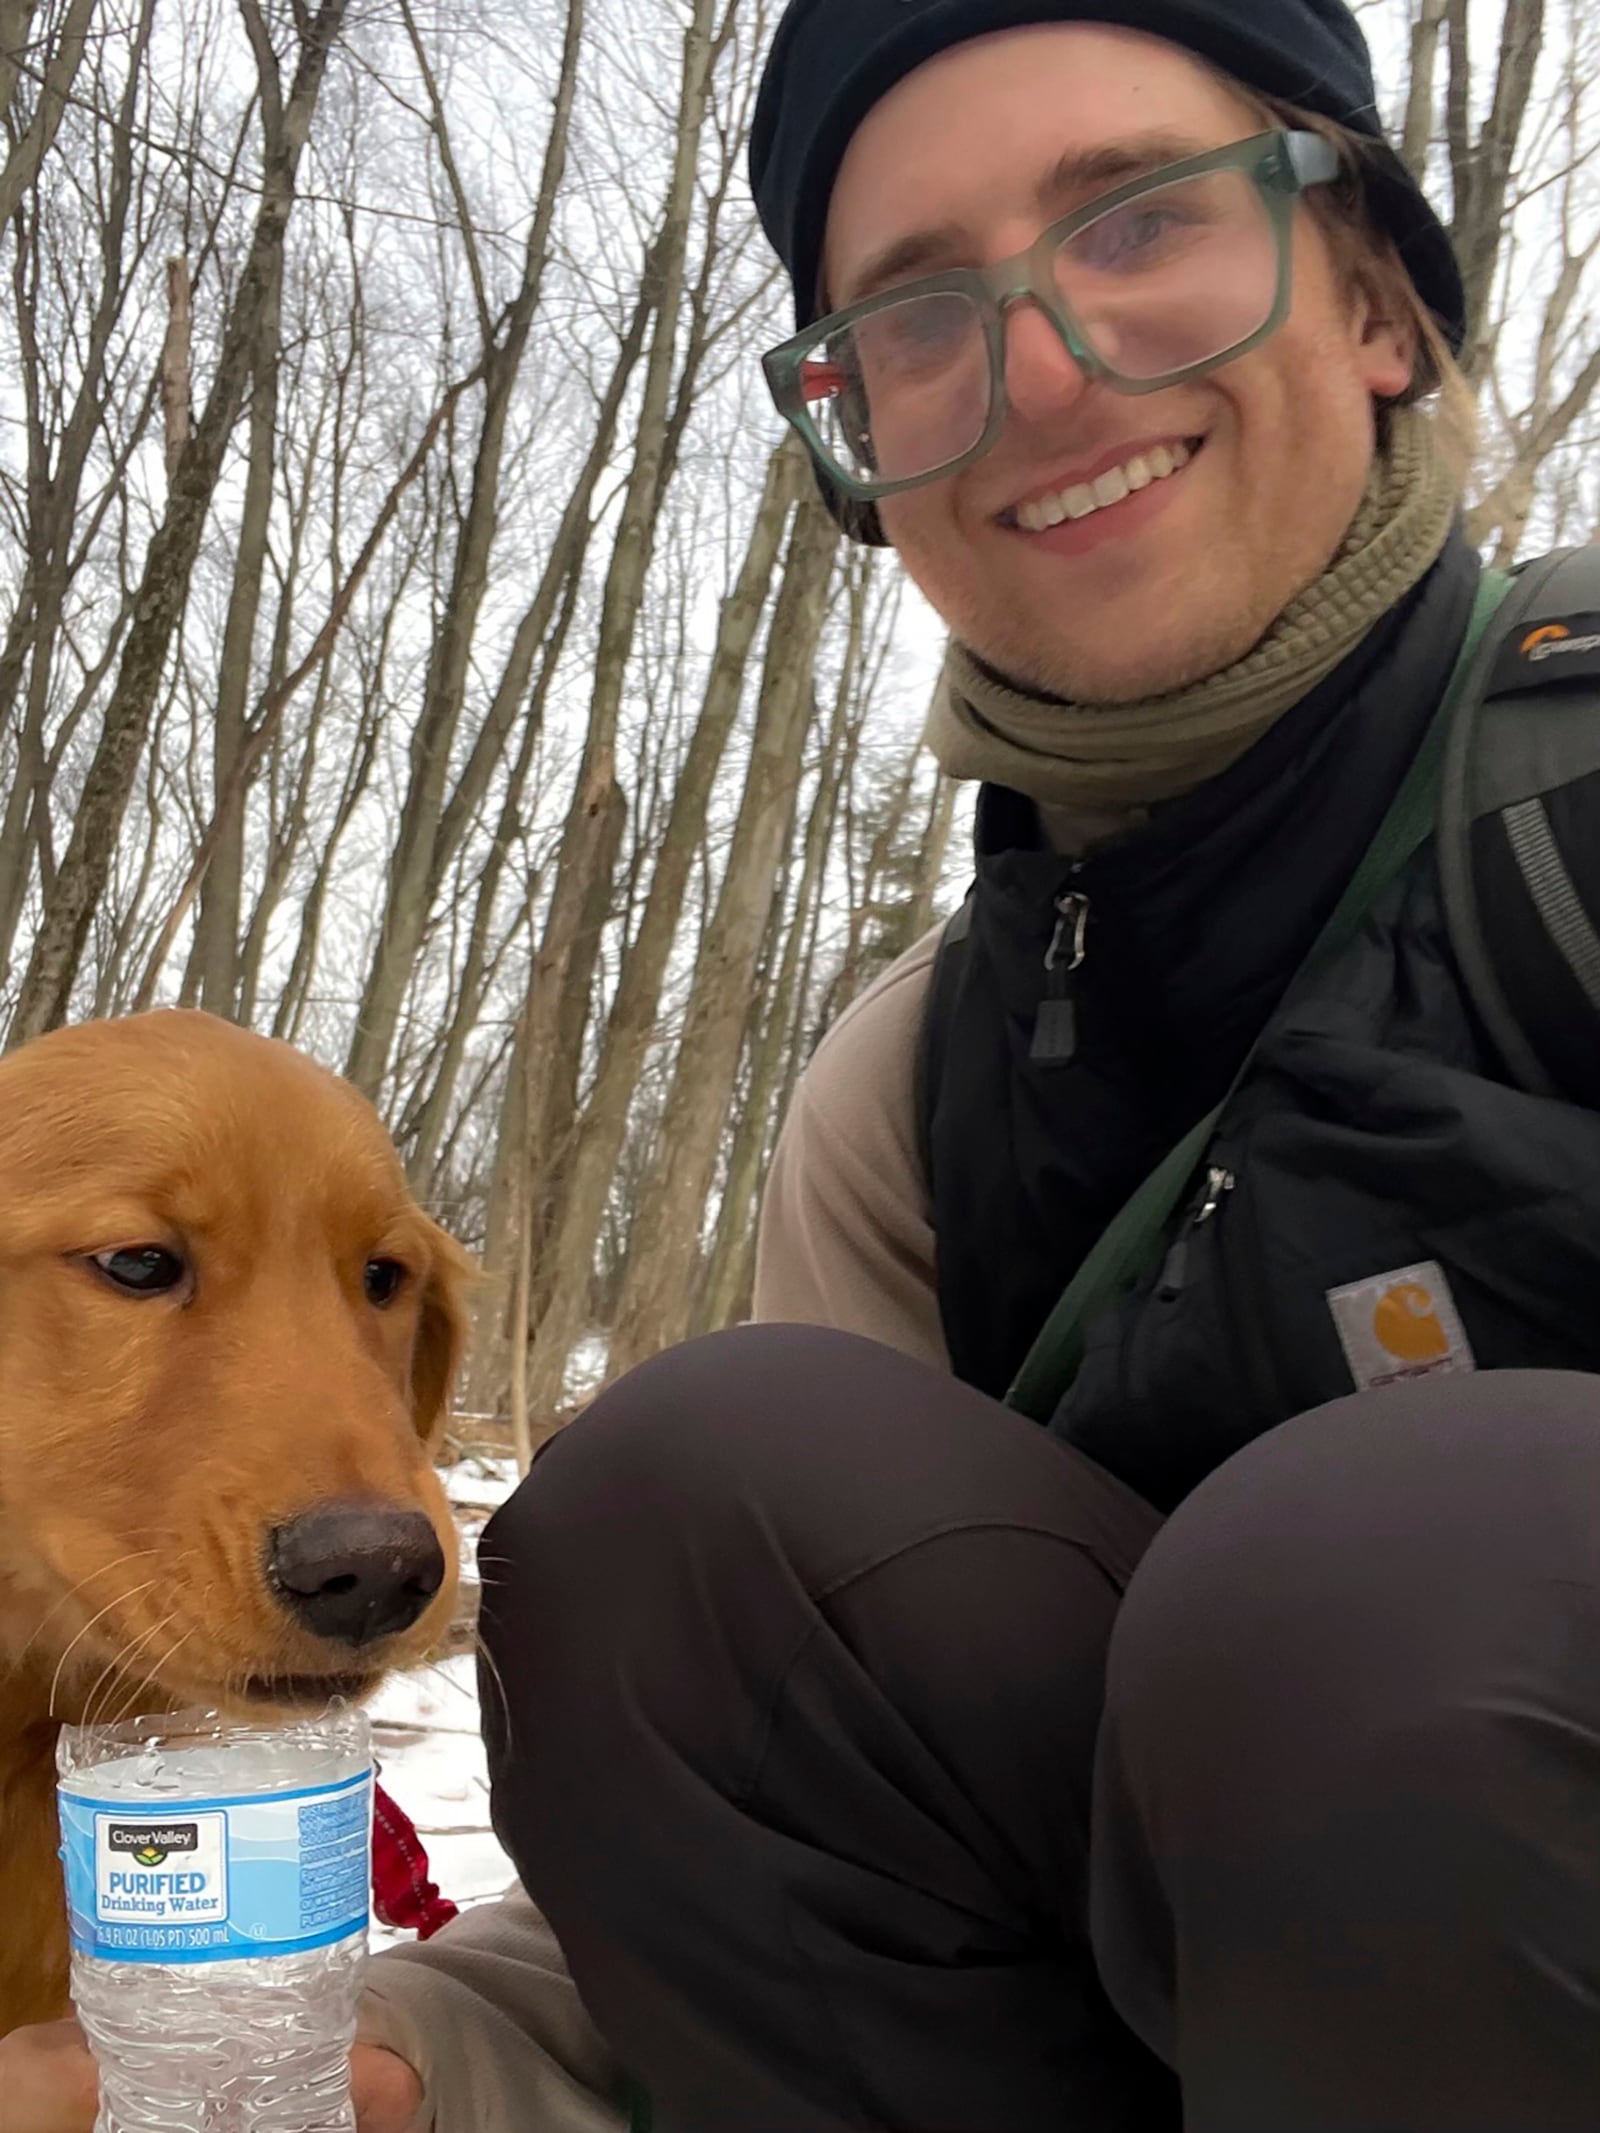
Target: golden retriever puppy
[{"x": 227, "y": 1338}]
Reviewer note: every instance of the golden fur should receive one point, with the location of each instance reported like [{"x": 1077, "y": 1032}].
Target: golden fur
[{"x": 149, "y": 1445}]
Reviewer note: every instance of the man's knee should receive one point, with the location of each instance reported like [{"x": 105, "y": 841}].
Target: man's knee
[
  {"x": 1402, "y": 1534},
  {"x": 784, "y": 1490},
  {"x": 827, "y": 1447},
  {"x": 1352, "y": 1738},
  {"x": 672, "y": 1443}
]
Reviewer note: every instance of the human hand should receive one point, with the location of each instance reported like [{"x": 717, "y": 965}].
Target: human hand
[
  {"x": 48, "y": 2084},
  {"x": 387, "y": 2092},
  {"x": 47, "y": 2080}
]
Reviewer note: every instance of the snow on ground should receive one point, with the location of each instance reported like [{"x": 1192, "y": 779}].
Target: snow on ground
[
  {"x": 586, "y": 1367},
  {"x": 480, "y": 1483},
  {"x": 431, "y": 1763},
  {"x": 425, "y": 1729}
]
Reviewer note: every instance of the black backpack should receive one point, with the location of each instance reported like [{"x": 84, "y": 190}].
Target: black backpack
[{"x": 1507, "y": 788}]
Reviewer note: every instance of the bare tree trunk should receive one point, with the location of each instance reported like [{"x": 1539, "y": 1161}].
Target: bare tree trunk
[
  {"x": 55, "y": 521},
  {"x": 284, "y": 841},
  {"x": 302, "y": 765},
  {"x": 176, "y": 366},
  {"x": 582, "y": 844},
  {"x": 724, "y": 1293},
  {"x": 47, "y": 986},
  {"x": 280, "y": 695},
  {"x": 422, "y": 1137},
  {"x": 1551, "y": 414},
  {"x": 417, "y": 866},
  {"x": 935, "y": 851},
  {"x": 532, "y": 1073},
  {"x": 29, "y": 149},
  {"x": 1422, "y": 87},
  {"x": 15, "y": 16},
  {"x": 214, "y": 961},
  {"x": 568, "y": 1254},
  {"x": 560, "y": 582},
  {"x": 654, "y": 1307},
  {"x": 1481, "y": 165}
]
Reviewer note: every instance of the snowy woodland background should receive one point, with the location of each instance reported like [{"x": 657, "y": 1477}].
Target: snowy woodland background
[{"x": 417, "y": 641}]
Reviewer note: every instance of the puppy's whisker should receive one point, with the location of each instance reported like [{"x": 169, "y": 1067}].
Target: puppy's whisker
[
  {"x": 138, "y": 1687},
  {"x": 72, "y": 1592},
  {"x": 121, "y": 1600},
  {"x": 492, "y": 1669},
  {"x": 200, "y": 1613},
  {"x": 116, "y": 1670},
  {"x": 481, "y": 1651},
  {"x": 440, "y": 1667}
]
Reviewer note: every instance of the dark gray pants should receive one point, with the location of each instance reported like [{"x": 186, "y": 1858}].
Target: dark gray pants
[{"x": 801, "y": 1667}]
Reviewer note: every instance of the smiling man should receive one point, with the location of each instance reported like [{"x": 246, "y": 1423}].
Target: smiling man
[{"x": 1123, "y": 325}]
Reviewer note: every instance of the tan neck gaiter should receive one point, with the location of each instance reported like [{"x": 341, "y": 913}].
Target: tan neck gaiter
[{"x": 1096, "y": 769}]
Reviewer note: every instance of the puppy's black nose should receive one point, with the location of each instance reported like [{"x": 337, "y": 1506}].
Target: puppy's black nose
[{"x": 354, "y": 1572}]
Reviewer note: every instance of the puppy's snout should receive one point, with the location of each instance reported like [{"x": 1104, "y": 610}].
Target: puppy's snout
[{"x": 354, "y": 1572}]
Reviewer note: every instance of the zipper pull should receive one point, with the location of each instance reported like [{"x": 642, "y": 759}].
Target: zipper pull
[
  {"x": 1219, "y": 1183},
  {"x": 1055, "y": 1028}
]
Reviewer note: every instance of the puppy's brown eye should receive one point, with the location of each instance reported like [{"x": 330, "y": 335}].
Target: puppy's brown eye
[
  {"x": 142, "y": 1269},
  {"x": 383, "y": 1280}
]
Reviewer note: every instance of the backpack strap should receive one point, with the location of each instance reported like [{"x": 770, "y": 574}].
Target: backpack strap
[
  {"x": 933, "y": 1034},
  {"x": 1519, "y": 831}
]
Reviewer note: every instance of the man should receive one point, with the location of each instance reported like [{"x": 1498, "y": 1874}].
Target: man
[{"x": 1117, "y": 322}]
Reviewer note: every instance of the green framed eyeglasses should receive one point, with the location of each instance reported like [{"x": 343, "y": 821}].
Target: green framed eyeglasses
[{"x": 1161, "y": 280}]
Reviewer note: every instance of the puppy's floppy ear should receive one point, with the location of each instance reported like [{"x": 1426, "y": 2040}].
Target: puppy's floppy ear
[{"x": 442, "y": 1332}]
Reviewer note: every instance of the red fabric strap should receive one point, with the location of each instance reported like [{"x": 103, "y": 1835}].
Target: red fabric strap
[{"x": 403, "y": 1894}]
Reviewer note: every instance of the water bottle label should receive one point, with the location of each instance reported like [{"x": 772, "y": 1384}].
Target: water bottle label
[{"x": 217, "y": 1880}]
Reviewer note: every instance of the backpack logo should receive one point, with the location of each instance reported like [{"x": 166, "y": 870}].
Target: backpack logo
[
  {"x": 1556, "y": 641},
  {"x": 1400, "y": 1325},
  {"x": 1540, "y": 653}
]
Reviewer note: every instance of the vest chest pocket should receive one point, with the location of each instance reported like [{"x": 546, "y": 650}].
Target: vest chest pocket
[
  {"x": 1183, "y": 1369},
  {"x": 1363, "y": 1220}
]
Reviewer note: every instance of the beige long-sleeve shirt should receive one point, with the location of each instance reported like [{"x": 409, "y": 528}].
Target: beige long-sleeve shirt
[{"x": 487, "y": 2011}]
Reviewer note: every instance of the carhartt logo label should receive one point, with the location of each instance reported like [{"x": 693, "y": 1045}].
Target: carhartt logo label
[
  {"x": 1400, "y": 1325},
  {"x": 1556, "y": 641}
]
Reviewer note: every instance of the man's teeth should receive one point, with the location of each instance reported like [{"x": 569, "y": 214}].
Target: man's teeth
[{"x": 1085, "y": 498}]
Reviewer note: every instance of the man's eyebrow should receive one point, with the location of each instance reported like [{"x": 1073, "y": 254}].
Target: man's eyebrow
[
  {"x": 924, "y": 252},
  {"x": 1078, "y": 176},
  {"x": 1083, "y": 172}
]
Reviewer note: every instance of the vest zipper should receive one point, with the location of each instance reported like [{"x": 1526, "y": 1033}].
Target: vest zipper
[
  {"x": 1219, "y": 1183},
  {"x": 1243, "y": 1299},
  {"x": 1055, "y": 1027},
  {"x": 1242, "y": 1280}
]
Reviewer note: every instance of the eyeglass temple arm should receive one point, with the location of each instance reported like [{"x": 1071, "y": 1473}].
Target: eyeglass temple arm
[{"x": 1313, "y": 160}]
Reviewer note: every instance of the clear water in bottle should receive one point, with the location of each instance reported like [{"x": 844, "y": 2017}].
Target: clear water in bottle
[{"x": 217, "y": 1885}]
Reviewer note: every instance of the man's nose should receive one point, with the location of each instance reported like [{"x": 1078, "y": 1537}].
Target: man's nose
[{"x": 1041, "y": 375}]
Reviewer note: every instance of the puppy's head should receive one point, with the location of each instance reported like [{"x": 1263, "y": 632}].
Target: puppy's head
[{"x": 227, "y": 1340}]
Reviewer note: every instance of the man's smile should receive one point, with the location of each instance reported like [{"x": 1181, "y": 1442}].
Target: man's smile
[{"x": 1102, "y": 487}]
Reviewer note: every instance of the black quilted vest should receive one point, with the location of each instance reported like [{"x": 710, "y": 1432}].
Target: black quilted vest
[{"x": 1374, "y": 1133}]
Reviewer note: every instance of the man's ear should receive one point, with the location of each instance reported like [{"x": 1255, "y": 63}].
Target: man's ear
[
  {"x": 1385, "y": 321},
  {"x": 442, "y": 1333}
]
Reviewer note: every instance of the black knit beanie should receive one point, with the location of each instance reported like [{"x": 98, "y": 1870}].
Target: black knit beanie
[{"x": 833, "y": 60}]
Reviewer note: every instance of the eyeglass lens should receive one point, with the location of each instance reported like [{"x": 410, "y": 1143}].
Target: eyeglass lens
[{"x": 1176, "y": 277}]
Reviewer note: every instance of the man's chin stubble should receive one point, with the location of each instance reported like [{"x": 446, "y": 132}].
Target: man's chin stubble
[{"x": 1112, "y": 677}]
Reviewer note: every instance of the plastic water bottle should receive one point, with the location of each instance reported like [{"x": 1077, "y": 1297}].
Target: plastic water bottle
[{"x": 218, "y": 1896}]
